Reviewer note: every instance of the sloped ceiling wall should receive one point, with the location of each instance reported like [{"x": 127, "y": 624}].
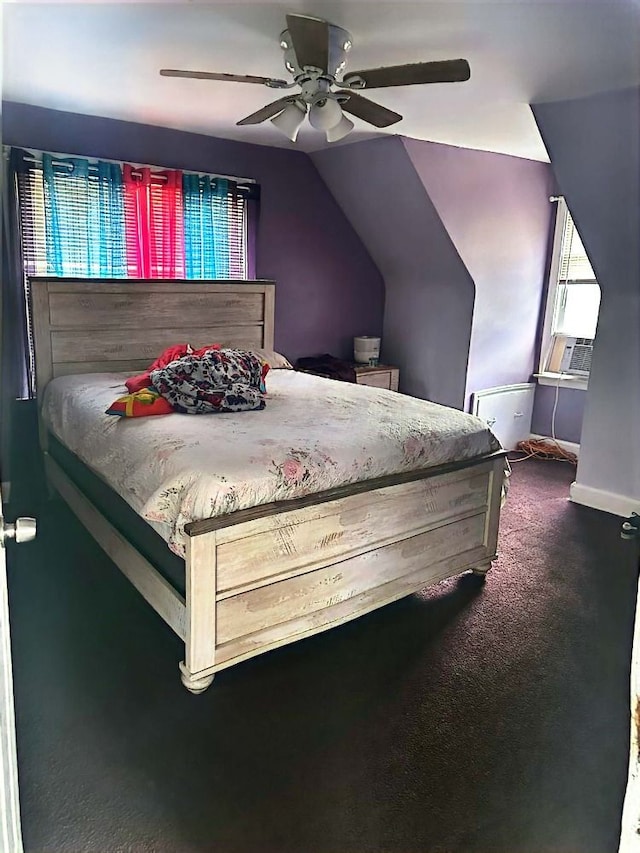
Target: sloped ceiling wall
[
  {"x": 461, "y": 238},
  {"x": 497, "y": 213},
  {"x": 594, "y": 144},
  {"x": 429, "y": 292}
]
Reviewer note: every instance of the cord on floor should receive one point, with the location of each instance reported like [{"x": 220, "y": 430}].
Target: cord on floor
[{"x": 543, "y": 448}]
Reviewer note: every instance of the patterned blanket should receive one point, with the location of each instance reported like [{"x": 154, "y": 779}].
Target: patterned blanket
[
  {"x": 225, "y": 380},
  {"x": 314, "y": 434}
]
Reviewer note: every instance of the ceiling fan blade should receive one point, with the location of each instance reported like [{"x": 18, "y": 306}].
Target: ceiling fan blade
[
  {"x": 233, "y": 78},
  {"x": 310, "y": 39},
  {"x": 368, "y": 111},
  {"x": 269, "y": 111},
  {"x": 447, "y": 71}
]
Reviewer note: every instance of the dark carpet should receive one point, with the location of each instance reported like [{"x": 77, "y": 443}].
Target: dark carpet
[{"x": 468, "y": 718}]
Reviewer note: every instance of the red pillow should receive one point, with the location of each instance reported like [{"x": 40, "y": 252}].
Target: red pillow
[{"x": 140, "y": 405}]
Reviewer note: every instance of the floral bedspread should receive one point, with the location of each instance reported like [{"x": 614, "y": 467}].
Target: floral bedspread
[{"x": 314, "y": 434}]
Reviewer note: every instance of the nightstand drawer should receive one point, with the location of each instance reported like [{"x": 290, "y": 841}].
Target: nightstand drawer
[
  {"x": 378, "y": 377},
  {"x": 378, "y": 380}
]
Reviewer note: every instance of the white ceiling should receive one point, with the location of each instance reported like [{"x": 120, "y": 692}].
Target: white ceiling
[{"x": 103, "y": 59}]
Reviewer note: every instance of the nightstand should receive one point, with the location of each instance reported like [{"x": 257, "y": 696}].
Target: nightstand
[{"x": 380, "y": 376}]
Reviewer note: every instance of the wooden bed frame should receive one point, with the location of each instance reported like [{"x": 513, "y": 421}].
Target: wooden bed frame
[{"x": 259, "y": 578}]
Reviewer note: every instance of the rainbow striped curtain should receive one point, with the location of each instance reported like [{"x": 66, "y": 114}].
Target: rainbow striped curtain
[{"x": 111, "y": 220}]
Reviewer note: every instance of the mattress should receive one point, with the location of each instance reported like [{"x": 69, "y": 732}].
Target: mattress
[{"x": 314, "y": 434}]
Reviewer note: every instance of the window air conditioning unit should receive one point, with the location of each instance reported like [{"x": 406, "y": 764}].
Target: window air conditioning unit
[{"x": 576, "y": 356}]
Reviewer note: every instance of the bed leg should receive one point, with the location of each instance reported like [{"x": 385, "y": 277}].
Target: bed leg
[
  {"x": 200, "y": 603},
  {"x": 481, "y": 571},
  {"x": 193, "y": 683}
]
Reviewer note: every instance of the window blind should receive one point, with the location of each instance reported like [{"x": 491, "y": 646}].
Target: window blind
[
  {"x": 574, "y": 263},
  {"x": 30, "y": 188},
  {"x": 238, "y": 233},
  {"x": 90, "y": 223}
]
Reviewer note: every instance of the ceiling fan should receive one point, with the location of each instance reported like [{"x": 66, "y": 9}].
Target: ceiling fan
[{"x": 315, "y": 54}]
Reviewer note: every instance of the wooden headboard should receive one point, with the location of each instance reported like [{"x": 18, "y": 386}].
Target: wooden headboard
[{"x": 90, "y": 326}]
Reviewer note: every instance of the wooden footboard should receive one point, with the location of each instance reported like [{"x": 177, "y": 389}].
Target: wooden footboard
[
  {"x": 257, "y": 584},
  {"x": 287, "y": 575}
]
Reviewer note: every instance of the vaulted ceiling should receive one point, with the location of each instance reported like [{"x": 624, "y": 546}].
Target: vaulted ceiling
[{"x": 103, "y": 59}]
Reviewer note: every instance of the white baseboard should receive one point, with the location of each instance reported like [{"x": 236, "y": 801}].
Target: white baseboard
[
  {"x": 605, "y": 501},
  {"x": 570, "y": 446},
  {"x": 596, "y": 498}
]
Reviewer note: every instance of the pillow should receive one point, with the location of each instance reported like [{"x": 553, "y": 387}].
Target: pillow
[
  {"x": 275, "y": 360},
  {"x": 140, "y": 405}
]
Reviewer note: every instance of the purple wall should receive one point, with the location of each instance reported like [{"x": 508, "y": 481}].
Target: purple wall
[
  {"x": 447, "y": 226},
  {"x": 594, "y": 145},
  {"x": 569, "y": 413},
  {"x": 429, "y": 293},
  {"x": 497, "y": 212},
  {"x": 328, "y": 288}
]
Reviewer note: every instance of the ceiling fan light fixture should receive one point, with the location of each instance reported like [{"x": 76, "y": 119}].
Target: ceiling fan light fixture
[
  {"x": 325, "y": 114},
  {"x": 315, "y": 54},
  {"x": 290, "y": 119},
  {"x": 344, "y": 126}
]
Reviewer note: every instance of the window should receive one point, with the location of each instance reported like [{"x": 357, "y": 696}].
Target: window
[
  {"x": 86, "y": 218},
  {"x": 102, "y": 219},
  {"x": 573, "y": 301}
]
